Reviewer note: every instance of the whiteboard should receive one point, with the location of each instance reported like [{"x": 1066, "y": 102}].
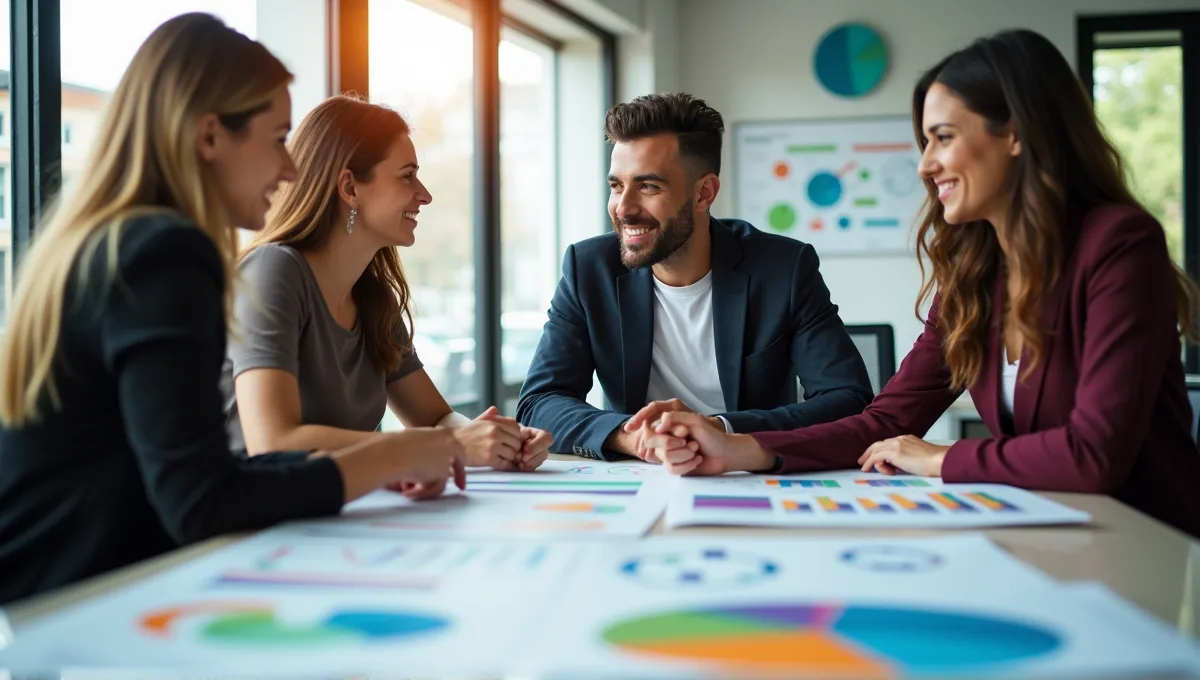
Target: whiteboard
[{"x": 848, "y": 187}]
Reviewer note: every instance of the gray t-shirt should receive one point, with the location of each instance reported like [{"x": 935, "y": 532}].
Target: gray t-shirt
[{"x": 282, "y": 321}]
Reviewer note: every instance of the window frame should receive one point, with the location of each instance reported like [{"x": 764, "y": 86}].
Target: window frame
[
  {"x": 35, "y": 96},
  {"x": 1187, "y": 24}
]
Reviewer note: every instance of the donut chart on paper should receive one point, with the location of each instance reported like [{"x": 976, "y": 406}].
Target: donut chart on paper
[
  {"x": 891, "y": 559},
  {"x": 834, "y": 640},
  {"x": 710, "y": 567}
]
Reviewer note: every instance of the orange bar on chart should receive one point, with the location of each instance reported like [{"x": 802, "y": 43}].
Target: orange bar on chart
[
  {"x": 991, "y": 502},
  {"x": 868, "y": 504},
  {"x": 945, "y": 501},
  {"x": 827, "y": 503},
  {"x": 906, "y": 503}
]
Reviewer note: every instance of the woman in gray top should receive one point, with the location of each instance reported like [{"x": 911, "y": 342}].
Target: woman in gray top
[{"x": 321, "y": 343}]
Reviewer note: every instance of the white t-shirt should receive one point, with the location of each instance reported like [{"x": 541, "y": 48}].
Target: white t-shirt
[{"x": 683, "y": 364}]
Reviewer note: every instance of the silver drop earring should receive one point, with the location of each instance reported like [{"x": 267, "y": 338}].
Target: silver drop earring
[{"x": 350, "y": 222}]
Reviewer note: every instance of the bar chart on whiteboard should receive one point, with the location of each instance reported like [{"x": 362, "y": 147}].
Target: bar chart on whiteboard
[{"x": 846, "y": 187}]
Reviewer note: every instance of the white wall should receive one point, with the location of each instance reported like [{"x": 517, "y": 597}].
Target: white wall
[{"x": 752, "y": 60}]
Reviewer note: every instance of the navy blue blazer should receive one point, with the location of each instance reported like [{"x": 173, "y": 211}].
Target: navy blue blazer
[{"x": 772, "y": 319}]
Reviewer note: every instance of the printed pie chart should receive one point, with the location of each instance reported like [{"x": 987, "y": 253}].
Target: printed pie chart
[
  {"x": 348, "y": 626},
  {"x": 257, "y": 625},
  {"x": 832, "y": 640}
]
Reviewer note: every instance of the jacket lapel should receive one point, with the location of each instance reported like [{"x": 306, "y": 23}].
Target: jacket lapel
[
  {"x": 1028, "y": 394},
  {"x": 635, "y": 295},
  {"x": 729, "y": 302}
]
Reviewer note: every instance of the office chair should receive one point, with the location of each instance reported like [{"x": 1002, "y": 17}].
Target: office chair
[
  {"x": 1193, "y": 389},
  {"x": 876, "y": 344}
]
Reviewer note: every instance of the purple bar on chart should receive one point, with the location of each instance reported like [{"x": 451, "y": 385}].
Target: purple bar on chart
[
  {"x": 731, "y": 503},
  {"x": 891, "y": 482}
]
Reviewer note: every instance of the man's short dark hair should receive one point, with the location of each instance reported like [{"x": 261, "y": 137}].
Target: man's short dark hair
[{"x": 697, "y": 125}]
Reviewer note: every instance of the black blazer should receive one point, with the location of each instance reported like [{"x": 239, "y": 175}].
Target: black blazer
[
  {"x": 773, "y": 323},
  {"x": 135, "y": 461}
]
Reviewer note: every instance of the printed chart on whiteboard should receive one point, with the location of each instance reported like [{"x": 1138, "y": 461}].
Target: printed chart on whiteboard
[{"x": 846, "y": 187}]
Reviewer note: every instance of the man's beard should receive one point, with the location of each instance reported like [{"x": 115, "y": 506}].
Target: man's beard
[{"x": 670, "y": 240}]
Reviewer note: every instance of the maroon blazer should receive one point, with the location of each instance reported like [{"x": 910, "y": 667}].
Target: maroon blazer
[{"x": 1105, "y": 410}]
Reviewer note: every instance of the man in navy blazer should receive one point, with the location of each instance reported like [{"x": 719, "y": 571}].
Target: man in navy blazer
[{"x": 675, "y": 310}]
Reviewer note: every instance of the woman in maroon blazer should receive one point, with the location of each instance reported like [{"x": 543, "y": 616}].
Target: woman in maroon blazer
[{"x": 1057, "y": 306}]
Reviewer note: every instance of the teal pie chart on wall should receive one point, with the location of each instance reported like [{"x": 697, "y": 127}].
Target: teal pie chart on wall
[{"x": 851, "y": 60}]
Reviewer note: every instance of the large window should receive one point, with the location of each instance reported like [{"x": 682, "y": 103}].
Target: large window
[
  {"x": 100, "y": 38},
  {"x": 552, "y": 103},
  {"x": 528, "y": 198},
  {"x": 1139, "y": 99},
  {"x": 436, "y": 98},
  {"x": 1134, "y": 66},
  {"x": 98, "y": 41}
]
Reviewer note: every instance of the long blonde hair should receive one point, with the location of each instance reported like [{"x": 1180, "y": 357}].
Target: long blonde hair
[
  {"x": 144, "y": 162},
  {"x": 345, "y": 133}
]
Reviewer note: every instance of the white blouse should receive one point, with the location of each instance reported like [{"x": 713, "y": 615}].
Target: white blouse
[{"x": 1009, "y": 386}]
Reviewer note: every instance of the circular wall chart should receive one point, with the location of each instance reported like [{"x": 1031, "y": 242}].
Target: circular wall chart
[
  {"x": 891, "y": 558},
  {"x": 899, "y": 176},
  {"x": 851, "y": 60},
  {"x": 782, "y": 217},
  {"x": 827, "y": 640},
  {"x": 824, "y": 189},
  {"x": 700, "y": 568},
  {"x": 258, "y": 625}
]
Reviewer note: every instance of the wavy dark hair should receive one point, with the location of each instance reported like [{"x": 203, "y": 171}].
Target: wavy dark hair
[
  {"x": 698, "y": 126},
  {"x": 1018, "y": 78},
  {"x": 345, "y": 132}
]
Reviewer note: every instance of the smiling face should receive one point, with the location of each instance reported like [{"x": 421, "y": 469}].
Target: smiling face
[
  {"x": 389, "y": 201},
  {"x": 249, "y": 164},
  {"x": 650, "y": 200},
  {"x": 970, "y": 163}
]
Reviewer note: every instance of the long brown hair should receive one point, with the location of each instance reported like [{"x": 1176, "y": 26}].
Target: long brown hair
[
  {"x": 1018, "y": 78},
  {"x": 341, "y": 133},
  {"x": 145, "y": 162}
]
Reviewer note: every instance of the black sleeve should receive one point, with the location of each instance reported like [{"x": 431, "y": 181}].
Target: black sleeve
[{"x": 162, "y": 336}]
